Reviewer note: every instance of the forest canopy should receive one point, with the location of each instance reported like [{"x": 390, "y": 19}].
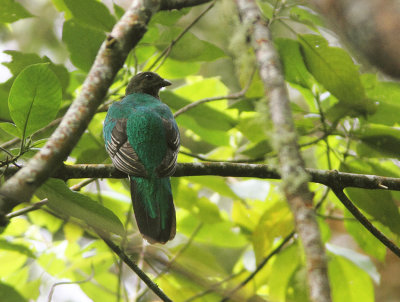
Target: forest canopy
[{"x": 287, "y": 182}]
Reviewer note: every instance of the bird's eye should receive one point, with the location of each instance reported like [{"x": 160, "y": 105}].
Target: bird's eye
[{"x": 148, "y": 76}]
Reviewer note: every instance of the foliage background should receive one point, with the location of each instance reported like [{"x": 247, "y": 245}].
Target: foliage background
[{"x": 346, "y": 117}]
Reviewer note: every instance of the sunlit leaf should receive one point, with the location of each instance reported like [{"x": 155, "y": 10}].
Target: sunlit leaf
[
  {"x": 12, "y": 11},
  {"x": 348, "y": 281},
  {"x": 67, "y": 202},
  {"x": 189, "y": 47},
  {"x": 34, "y": 98},
  {"x": 283, "y": 268},
  {"x": 83, "y": 43},
  {"x": 335, "y": 70},
  {"x": 92, "y": 13},
  {"x": 8, "y": 293}
]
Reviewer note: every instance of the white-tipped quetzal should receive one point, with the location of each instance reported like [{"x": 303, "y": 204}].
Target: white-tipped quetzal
[{"x": 142, "y": 139}]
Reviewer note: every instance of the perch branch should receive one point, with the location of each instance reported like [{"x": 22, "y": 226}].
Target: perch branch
[{"x": 324, "y": 177}]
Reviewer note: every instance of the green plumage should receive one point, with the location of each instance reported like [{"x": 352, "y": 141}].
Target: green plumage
[{"x": 142, "y": 139}]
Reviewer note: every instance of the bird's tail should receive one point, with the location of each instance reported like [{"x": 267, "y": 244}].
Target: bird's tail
[{"x": 154, "y": 208}]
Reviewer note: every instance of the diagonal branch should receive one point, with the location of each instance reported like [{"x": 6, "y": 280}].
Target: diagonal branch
[
  {"x": 124, "y": 257},
  {"x": 294, "y": 175},
  {"x": 364, "y": 221},
  {"x": 260, "y": 266}
]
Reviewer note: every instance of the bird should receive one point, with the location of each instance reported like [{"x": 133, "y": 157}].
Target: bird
[{"x": 142, "y": 138}]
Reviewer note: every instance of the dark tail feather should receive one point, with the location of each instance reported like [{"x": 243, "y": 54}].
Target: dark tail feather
[{"x": 154, "y": 208}]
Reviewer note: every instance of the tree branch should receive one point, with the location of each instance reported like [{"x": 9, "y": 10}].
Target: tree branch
[
  {"x": 178, "y": 4},
  {"x": 364, "y": 221},
  {"x": 370, "y": 27},
  {"x": 142, "y": 275},
  {"x": 260, "y": 265},
  {"x": 294, "y": 176},
  {"x": 327, "y": 178}
]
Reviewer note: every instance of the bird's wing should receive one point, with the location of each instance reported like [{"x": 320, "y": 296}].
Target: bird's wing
[
  {"x": 121, "y": 152},
  {"x": 168, "y": 165}
]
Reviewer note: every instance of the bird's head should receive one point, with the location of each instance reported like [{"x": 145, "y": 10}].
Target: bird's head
[{"x": 146, "y": 82}]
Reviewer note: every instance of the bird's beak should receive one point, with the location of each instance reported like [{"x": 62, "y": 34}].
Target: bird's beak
[{"x": 166, "y": 83}]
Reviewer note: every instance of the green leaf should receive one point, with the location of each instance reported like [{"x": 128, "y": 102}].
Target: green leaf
[
  {"x": 294, "y": 68},
  {"x": 220, "y": 234},
  {"x": 168, "y": 18},
  {"x": 20, "y": 60},
  {"x": 35, "y": 98},
  {"x": 208, "y": 123},
  {"x": 266, "y": 8},
  {"x": 83, "y": 43},
  {"x": 362, "y": 261},
  {"x": 368, "y": 242},
  {"x": 4, "y": 92},
  {"x": 275, "y": 222},
  {"x": 306, "y": 16},
  {"x": 217, "y": 184},
  {"x": 119, "y": 11},
  {"x": 12, "y": 11},
  {"x": 285, "y": 265},
  {"x": 45, "y": 220},
  {"x": 335, "y": 70},
  {"x": 91, "y": 13},
  {"x": 189, "y": 47},
  {"x": 11, "y": 129},
  {"x": 8, "y": 293},
  {"x": 348, "y": 282},
  {"x": 67, "y": 202},
  {"x": 387, "y": 95},
  {"x": 247, "y": 126},
  {"x": 378, "y": 141},
  {"x": 173, "y": 69},
  {"x": 378, "y": 204},
  {"x": 6, "y": 245}
]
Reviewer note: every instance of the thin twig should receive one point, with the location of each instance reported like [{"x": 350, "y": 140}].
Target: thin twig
[
  {"x": 364, "y": 221},
  {"x": 82, "y": 184},
  {"x": 142, "y": 275},
  {"x": 214, "y": 286},
  {"x": 50, "y": 297},
  {"x": 168, "y": 49},
  {"x": 325, "y": 129},
  {"x": 180, "y": 252},
  {"x": 232, "y": 96},
  {"x": 34, "y": 207},
  {"x": 338, "y": 218},
  {"x": 260, "y": 266}
]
